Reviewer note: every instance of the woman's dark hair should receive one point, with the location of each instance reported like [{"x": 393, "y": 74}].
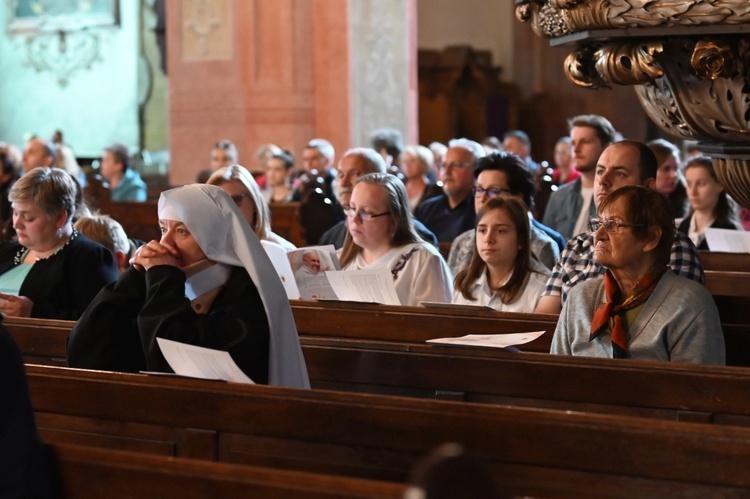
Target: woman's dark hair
[
  {"x": 520, "y": 180},
  {"x": 663, "y": 150},
  {"x": 518, "y": 214},
  {"x": 645, "y": 207},
  {"x": 452, "y": 472},
  {"x": 285, "y": 157},
  {"x": 5, "y": 163},
  {"x": 726, "y": 208}
]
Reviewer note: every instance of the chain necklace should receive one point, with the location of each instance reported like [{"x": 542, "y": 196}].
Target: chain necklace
[{"x": 24, "y": 251}]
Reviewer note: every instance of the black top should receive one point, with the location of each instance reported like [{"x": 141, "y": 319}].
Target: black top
[
  {"x": 717, "y": 224},
  {"x": 319, "y": 210},
  {"x": 24, "y": 470},
  {"x": 63, "y": 285},
  {"x": 446, "y": 222},
  {"x": 119, "y": 329}
]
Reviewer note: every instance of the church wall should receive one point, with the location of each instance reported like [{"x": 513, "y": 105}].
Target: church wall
[
  {"x": 483, "y": 24},
  {"x": 97, "y": 106}
]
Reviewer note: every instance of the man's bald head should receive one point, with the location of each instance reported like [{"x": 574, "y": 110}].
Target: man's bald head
[{"x": 355, "y": 163}]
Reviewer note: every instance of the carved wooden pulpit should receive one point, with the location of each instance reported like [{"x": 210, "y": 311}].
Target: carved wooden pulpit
[{"x": 689, "y": 62}]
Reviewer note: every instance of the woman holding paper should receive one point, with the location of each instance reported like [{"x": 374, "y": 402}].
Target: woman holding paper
[
  {"x": 207, "y": 282},
  {"x": 639, "y": 309},
  {"x": 236, "y": 181},
  {"x": 501, "y": 273},
  {"x": 381, "y": 235},
  {"x": 710, "y": 205}
]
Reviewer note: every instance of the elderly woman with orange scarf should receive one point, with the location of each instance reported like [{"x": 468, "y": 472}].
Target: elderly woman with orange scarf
[{"x": 639, "y": 309}]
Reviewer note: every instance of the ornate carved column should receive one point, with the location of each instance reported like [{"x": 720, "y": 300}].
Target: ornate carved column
[{"x": 689, "y": 62}]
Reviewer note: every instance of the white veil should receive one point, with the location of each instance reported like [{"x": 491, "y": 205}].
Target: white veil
[{"x": 225, "y": 236}]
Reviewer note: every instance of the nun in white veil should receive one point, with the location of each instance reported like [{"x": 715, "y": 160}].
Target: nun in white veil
[{"x": 209, "y": 302}]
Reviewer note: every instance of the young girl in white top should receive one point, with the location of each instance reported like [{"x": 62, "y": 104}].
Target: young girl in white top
[
  {"x": 381, "y": 235},
  {"x": 502, "y": 273}
]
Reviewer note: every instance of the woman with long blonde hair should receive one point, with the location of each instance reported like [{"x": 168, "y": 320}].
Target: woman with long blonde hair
[{"x": 237, "y": 181}]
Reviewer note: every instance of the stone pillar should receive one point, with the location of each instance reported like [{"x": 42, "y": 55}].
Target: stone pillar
[
  {"x": 285, "y": 71},
  {"x": 384, "y": 68}
]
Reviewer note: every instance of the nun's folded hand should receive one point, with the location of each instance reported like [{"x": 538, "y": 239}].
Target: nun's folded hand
[{"x": 155, "y": 253}]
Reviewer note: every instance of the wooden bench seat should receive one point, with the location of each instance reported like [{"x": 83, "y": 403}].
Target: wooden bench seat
[
  {"x": 285, "y": 222},
  {"x": 668, "y": 391},
  {"x": 415, "y": 324},
  {"x": 85, "y": 472},
  {"x": 679, "y": 392},
  {"x": 531, "y": 452}
]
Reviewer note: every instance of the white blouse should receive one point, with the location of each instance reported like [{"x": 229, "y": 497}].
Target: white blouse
[
  {"x": 525, "y": 301},
  {"x": 693, "y": 233},
  {"x": 421, "y": 273}
]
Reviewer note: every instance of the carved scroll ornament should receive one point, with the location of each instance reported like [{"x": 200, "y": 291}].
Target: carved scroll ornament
[
  {"x": 553, "y": 18},
  {"x": 694, "y": 84}
]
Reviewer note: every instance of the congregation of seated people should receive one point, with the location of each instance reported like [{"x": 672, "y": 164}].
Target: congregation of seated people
[{"x": 188, "y": 285}]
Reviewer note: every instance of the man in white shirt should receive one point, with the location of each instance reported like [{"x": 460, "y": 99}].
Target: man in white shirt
[{"x": 571, "y": 206}]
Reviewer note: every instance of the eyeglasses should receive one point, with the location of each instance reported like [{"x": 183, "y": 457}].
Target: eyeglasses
[
  {"x": 457, "y": 164},
  {"x": 611, "y": 226},
  {"x": 492, "y": 192},
  {"x": 363, "y": 215},
  {"x": 237, "y": 198}
]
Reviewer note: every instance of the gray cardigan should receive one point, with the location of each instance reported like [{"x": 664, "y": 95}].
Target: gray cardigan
[{"x": 678, "y": 323}]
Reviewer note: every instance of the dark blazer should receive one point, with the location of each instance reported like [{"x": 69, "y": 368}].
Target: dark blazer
[
  {"x": 718, "y": 224},
  {"x": 63, "y": 285},
  {"x": 119, "y": 329}
]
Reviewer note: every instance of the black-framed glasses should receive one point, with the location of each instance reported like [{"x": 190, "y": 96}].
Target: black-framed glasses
[
  {"x": 611, "y": 226},
  {"x": 363, "y": 215},
  {"x": 237, "y": 198},
  {"x": 492, "y": 192}
]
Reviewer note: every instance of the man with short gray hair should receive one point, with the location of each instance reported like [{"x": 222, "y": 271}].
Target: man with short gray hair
[{"x": 452, "y": 213}]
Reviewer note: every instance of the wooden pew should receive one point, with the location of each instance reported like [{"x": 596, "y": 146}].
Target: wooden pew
[
  {"x": 678, "y": 392},
  {"x": 285, "y": 222},
  {"x": 338, "y": 319},
  {"x": 531, "y": 452},
  {"x": 85, "y": 472},
  {"x": 727, "y": 278},
  {"x": 709, "y": 394},
  {"x": 415, "y": 324},
  {"x": 139, "y": 220},
  {"x": 732, "y": 262}
]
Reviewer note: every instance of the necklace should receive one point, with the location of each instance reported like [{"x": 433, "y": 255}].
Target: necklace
[{"x": 24, "y": 251}]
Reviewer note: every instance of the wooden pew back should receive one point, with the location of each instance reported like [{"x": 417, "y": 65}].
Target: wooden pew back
[
  {"x": 415, "y": 324},
  {"x": 531, "y": 452},
  {"x": 140, "y": 220},
  {"x": 669, "y": 391},
  {"x": 285, "y": 222},
  {"x": 85, "y": 472},
  {"x": 678, "y": 392}
]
